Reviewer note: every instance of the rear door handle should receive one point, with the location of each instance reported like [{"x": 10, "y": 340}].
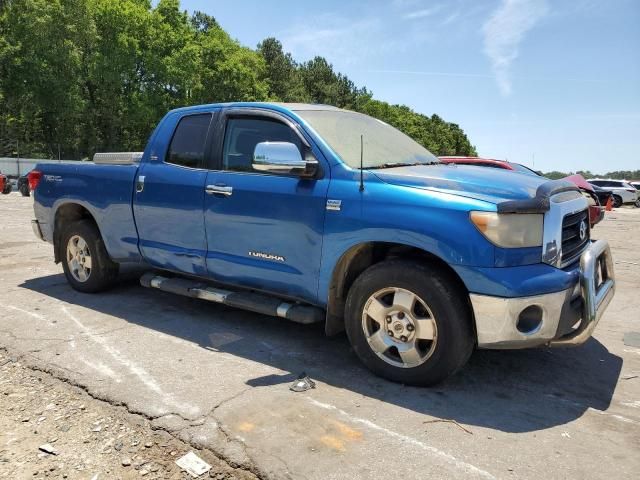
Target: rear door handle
[{"x": 219, "y": 190}]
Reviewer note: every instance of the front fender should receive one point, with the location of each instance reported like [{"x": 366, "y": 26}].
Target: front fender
[{"x": 434, "y": 222}]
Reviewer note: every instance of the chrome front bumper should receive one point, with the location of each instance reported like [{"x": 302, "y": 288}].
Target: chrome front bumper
[{"x": 566, "y": 318}]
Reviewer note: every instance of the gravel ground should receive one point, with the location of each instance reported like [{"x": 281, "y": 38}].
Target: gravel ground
[{"x": 51, "y": 429}]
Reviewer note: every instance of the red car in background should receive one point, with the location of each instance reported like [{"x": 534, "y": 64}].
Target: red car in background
[
  {"x": 596, "y": 210},
  {"x": 5, "y": 184}
]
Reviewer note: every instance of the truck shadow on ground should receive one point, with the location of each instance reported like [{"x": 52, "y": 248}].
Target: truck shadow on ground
[{"x": 511, "y": 391}]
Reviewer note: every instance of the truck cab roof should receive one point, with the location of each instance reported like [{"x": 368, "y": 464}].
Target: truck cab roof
[{"x": 273, "y": 105}]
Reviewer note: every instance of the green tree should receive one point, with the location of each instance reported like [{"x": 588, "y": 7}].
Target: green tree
[
  {"x": 283, "y": 74},
  {"x": 78, "y": 76}
]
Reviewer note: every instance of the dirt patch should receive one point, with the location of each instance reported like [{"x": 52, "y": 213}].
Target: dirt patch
[{"x": 85, "y": 438}]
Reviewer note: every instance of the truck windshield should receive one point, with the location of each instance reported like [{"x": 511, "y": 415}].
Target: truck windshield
[{"x": 384, "y": 146}]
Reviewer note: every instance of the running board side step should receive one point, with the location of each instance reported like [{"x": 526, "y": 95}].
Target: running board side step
[{"x": 253, "y": 302}]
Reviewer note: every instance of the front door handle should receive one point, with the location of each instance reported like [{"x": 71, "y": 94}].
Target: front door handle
[
  {"x": 140, "y": 184},
  {"x": 219, "y": 190}
]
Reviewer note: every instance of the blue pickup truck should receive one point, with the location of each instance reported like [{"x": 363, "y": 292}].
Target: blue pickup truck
[{"x": 317, "y": 214}]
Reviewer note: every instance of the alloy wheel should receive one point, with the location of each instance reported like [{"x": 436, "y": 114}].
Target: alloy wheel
[{"x": 399, "y": 327}]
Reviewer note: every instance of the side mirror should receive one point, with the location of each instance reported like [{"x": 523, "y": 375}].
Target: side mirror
[{"x": 282, "y": 158}]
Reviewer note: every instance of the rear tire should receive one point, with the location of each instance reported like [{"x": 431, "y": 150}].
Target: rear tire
[
  {"x": 24, "y": 190},
  {"x": 617, "y": 201},
  {"x": 85, "y": 261},
  {"x": 7, "y": 188},
  {"x": 409, "y": 323}
]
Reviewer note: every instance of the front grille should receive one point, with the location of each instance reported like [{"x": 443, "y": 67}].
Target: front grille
[{"x": 572, "y": 244}]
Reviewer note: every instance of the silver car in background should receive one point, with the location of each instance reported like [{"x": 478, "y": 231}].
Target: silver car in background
[{"x": 623, "y": 192}]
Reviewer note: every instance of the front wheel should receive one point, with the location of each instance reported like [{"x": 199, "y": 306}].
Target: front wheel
[
  {"x": 617, "y": 201},
  {"x": 409, "y": 323},
  {"x": 85, "y": 261}
]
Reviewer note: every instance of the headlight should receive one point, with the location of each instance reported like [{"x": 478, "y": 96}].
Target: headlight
[{"x": 510, "y": 230}]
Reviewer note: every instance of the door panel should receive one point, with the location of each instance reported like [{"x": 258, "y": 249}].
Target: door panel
[
  {"x": 266, "y": 231},
  {"x": 169, "y": 206}
]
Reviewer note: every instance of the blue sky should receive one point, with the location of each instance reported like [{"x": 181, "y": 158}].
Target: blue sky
[{"x": 551, "y": 84}]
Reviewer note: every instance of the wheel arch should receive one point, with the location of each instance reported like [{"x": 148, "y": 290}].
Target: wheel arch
[
  {"x": 64, "y": 214},
  {"x": 362, "y": 256}
]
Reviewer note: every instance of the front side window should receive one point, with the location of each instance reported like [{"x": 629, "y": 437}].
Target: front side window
[
  {"x": 243, "y": 134},
  {"x": 189, "y": 141}
]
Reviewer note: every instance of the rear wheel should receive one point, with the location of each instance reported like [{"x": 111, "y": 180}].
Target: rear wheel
[
  {"x": 85, "y": 261},
  {"x": 407, "y": 322},
  {"x": 617, "y": 201},
  {"x": 24, "y": 190},
  {"x": 7, "y": 188}
]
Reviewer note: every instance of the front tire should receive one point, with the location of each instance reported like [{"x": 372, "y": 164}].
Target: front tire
[
  {"x": 85, "y": 261},
  {"x": 409, "y": 323}
]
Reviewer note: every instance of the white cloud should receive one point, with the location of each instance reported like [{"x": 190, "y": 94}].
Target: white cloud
[
  {"x": 503, "y": 33},
  {"x": 348, "y": 42},
  {"x": 425, "y": 12},
  {"x": 334, "y": 36},
  {"x": 451, "y": 18}
]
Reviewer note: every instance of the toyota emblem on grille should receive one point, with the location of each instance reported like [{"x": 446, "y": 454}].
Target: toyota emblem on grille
[{"x": 583, "y": 230}]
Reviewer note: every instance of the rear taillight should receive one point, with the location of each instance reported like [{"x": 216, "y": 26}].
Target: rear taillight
[{"x": 34, "y": 177}]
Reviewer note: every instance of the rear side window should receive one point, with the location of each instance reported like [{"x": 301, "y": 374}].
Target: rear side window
[
  {"x": 189, "y": 141},
  {"x": 612, "y": 184}
]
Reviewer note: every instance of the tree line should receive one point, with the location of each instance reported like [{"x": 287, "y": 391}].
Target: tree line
[
  {"x": 78, "y": 76},
  {"x": 617, "y": 174}
]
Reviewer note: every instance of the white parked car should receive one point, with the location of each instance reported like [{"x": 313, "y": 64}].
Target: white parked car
[{"x": 623, "y": 192}]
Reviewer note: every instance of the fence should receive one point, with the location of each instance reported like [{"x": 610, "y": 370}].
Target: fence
[{"x": 16, "y": 167}]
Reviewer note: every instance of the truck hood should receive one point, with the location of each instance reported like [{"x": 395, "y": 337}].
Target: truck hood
[{"x": 481, "y": 183}]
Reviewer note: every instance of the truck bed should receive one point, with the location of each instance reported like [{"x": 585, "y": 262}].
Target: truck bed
[{"x": 106, "y": 191}]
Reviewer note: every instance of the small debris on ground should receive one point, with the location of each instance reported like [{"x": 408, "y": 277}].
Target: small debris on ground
[
  {"x": 193, "y": 464},
  {"x": 302, "y": 384},
  {"x": 448, "y": 420},
  {"x": 566, "y": 435},
  {"x": 48, "y": 448}
]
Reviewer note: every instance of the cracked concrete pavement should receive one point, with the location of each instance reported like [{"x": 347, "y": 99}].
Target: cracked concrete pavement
[
  {"x": 51, "y": 429},
  {"x": 218, "y": 378}
]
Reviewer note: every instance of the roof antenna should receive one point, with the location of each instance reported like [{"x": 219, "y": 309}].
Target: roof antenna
[{"x": 361, "y": 163}]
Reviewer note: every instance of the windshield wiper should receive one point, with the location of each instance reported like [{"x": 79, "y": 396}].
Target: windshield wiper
[{"x": 406, "y": 164}]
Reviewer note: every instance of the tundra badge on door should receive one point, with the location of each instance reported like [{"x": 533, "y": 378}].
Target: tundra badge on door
[{"x": 267, "y": 256}]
